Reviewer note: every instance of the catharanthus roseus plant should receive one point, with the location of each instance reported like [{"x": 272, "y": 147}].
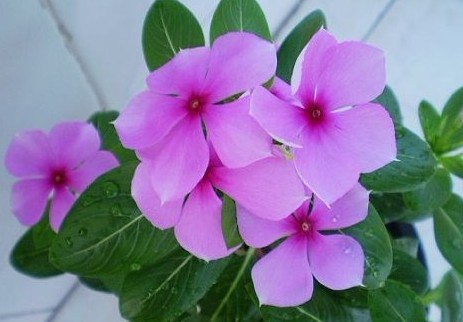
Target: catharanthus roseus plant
[{"x": 255, "y": 182}]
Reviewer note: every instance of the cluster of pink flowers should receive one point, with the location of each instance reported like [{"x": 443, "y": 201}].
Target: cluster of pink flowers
[{"x": 205, "y": 123}]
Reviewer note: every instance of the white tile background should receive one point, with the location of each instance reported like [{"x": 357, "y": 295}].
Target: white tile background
[{"x": 64, "y": 59}]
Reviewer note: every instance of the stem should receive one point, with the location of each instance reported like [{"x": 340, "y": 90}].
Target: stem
[
  {"x": 432, "y": 296},
  {"x": 238, "y": 276}
]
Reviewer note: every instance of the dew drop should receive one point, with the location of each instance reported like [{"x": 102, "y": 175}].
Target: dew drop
[
  {"x": 348, "y": 250},
  {"x": 334, "y": 219},
  {"x": 135, "y": 267},
  {"x": 83, "y": 232},
  {"x": 68, "y": 242},
  {"x": 110, "y": 189},
  {"x": 116, "y": 210},
  {"x": 86, "y": 202},
  {"x": 456, "y": 243}
]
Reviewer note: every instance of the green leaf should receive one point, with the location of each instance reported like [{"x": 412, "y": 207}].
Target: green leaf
[
  {"x": 391, "y": 207},
  {"x": 229, "y": 224},
  {"x": 409, "y": 271},
  {"x": 376, "y": 243},
  {"x": 395, "y": 303},
  {"x": 239, "y": 15},
  {"x": 388, "y": 100},
  {"x": 30, "y": 254},
  {"x": 166, "y": 290},
  {"x": 104, "y": 232},
  {"x": 296, "y": 40},
  {"x": 408, "y": 245},
  {"x": 416, "y": 164},
  {"x": 448, "y": 229},
  {"x": 430, "y": 122},
  {"x": 452, "y": 124},
  {"x": 453, "y": 163},
  {"x": 169, "y": 26},
  {"x": 94, "y": 284},
  {"x": 432, "y": 195},
  {"x": 452, "y": 298},
  {"x": 109, "y": 138}
]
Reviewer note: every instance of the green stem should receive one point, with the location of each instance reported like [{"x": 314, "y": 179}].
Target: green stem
[
  {"x": 238, "y": 276},
  {"x": 431, "y": 296}
]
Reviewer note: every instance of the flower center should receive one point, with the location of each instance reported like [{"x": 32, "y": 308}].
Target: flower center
[
  {"x": 315, "y": 114},
  {"x": 305, "y": 226},
  {"x": 58, "y": 178},
  {"x": 194, "y": 104}
]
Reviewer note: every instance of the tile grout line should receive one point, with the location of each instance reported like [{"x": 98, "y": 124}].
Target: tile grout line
[
  {"x": 378, "y": 20},
  {"x": 287, "y": 18},
  {"x": 8, "y": 316},
  {"x": 57, "y": 309},
  {"x": 67, "y": 39}
]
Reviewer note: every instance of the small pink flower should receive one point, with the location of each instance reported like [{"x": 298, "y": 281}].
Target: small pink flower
[
  {"x": 62, "y": 163},
  {"x": 283, "y": 277},
  {"x": 269, "y": 187},
  {"x": 334, "y": 131},
  {"x": 165, "y": 124}
]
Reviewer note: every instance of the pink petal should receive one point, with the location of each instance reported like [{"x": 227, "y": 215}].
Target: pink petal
[
  {"x": 61, "y": 203},
  {"x": 235, "y": 135},
  {"x": 178, "y": 161},
  {"x": 29, "y": 154},
  {"x": 239, "y": 61},
  {"x": 29, "y": 199},
  {"x": 148, "y": 118},
  {"x": 162, "y": 217},
  {"x": 336, "y": 261},
  {"x": 269, "y": 188},
  {"x": 373, "y": 144},
  {"x": 73, "y": 143},
  {"x": 183, "y": 75},
  {"x": 283, "y": 277},
  {"x": 92, "y": 168},
  {"x": 281, "y": 90},
  {"x": 282, "y": 120},
  {"x": 352, "y": 73},
  {"x": 348, "y": 210},
  {"x": 199, "y": 230},
  {"x": 308, "y": 66},
  {"x": 325, "y": 166},
  {"x": 258, "y": 232}
]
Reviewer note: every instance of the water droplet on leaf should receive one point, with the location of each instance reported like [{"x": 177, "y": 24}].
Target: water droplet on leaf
[
  {"x": 457, "y": 244},
  {"x": 68, "y": 242},
  {"x": 83, "y": 232},
  {"x": 135, "y": 267},
  {"x": 116, "y": 210},
  {"x": 110, "y": 189}
]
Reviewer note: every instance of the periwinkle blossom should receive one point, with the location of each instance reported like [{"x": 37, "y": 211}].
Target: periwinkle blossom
[
  {"x": 269, "y": 187},
  {"x": 185, "y": 97},
  {"x": 334, "y": 132},
  {"x": 284, "y": 276},
  {"x": 61, "y": 165}
]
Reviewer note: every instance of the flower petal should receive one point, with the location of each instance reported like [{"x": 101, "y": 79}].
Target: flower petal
[
  {"x": 88, "y": 171},
  {"x": 258, "y": 232},
  {"x": 183, "y": 75},
  {"x": 282, "y": 120},
  {"x": 336, "y": 261},
  {"x": 73, "y": 143},
  {"x": 325, "y": 166},
  {"x": 148, "y": 118},
  {"x": 373, "y": 143},
  {"x": 352, "y": 73},
  {"x": 235, "y": 135},
  {"x": 269, "y": 188},
  {"x": 239, "y": 61},
  {"x": 281, "y": 90},
  {"x": 348, "y": 210},
  {"x": 61, "y": 203},
  {"x": 282, "y": 277},
  {"x": 162, "y": 217},
  {"x": 199, "y": 230},
  {"x": 29, "y": 154},
  {"x": 28, "y": 200},
  {"x": 179, "y": 161}
]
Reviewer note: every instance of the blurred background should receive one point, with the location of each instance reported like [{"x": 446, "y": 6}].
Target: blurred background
[{"x": 65, "y": 59}]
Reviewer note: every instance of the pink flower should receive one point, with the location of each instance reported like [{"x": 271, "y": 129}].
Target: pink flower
[
  {"x": 62, "y": 163},
  {"x": 333, "y": 130},
  {"x": 283, "y": 277},
  {"x": 269, "y": 187},
  {"x": 166, "y": 123}
]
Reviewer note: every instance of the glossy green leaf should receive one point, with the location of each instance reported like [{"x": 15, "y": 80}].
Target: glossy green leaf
[
  {"x": 395, "y": 303},
  {"x": 109, "y": 138},
  {"x": 376, "y": 243},
  {"x": 94, "y": 283},
  {"x": 229, "y": 224},
  {"x": 408, "y": 245},
  {"x": 104, "y": 233},
  {"x": 169, "y": 26},
  {"x": 432, "y": 195},
  {"x": 239, "y": 15},
  {"x": 30, "y": 254},
  {"x": 391, "y": 207},
  {"x": 452, "y": 124},
  {"x": 448, "y": 229},
  {"x": 453, "y": 163},
  {"x": 296, "y": 40},
  {"x": 416, "y": 164},
  {"x": 430, "y": 122},
  {"x": 166, "y": 290},
  {"x": 389, "y": 101},
  {"x": 452, "y": 298},
  {"x": 409, "y": 271}
]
